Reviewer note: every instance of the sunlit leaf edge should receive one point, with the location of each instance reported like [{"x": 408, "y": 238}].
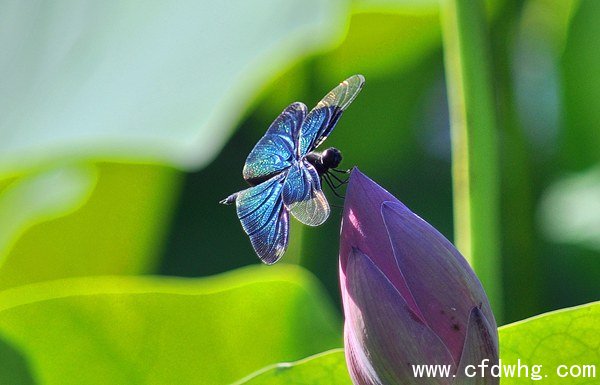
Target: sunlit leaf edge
[
  {"x": 289, "y": 365},
  {"x": 86, "y": 286}
]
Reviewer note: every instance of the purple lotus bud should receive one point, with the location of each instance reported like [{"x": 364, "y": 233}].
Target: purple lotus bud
[{"x": 409, "y": 297}]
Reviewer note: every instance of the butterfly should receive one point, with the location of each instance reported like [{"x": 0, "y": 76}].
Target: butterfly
[{"x": 285, "y": 172}]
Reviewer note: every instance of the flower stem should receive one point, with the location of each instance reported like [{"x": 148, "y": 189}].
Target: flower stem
[{"x": 474, "y": 149}]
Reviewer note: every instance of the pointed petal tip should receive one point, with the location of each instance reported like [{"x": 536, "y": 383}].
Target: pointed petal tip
[
  {"x": 359, "y": 176},
  {"x": 487, "y": 335},
  {"x": 481, "y": 343},
  {"x": 356, "y": 177},
  {"x": 478, "y": 319},
  {"x": 362, "y": 189}
]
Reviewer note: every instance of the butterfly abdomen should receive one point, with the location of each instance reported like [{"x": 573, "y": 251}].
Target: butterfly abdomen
[
  {"x": 255, "y": 181},
  {"x": 230, "y": 199}
]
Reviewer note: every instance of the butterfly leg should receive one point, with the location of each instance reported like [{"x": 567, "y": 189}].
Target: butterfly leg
[
  {"x": 340, "y": 181},
  {"x": 331, "y": 186},
  {"x": 230, "y": 199}
]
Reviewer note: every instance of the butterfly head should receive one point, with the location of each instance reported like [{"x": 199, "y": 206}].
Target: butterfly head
[{"x": 331, "y": 158}]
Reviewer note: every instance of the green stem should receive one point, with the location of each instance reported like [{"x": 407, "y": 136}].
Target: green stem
[
  {"x": 519, "y": 242},
  {"x": 474, "y": 143}
]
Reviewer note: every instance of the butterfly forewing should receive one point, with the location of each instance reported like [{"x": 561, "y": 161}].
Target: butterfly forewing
[
  {"x": 302, "y": 195},
  {"x": 276, "y": 150},
  {"x": 264, "y": 218},
  {"x": 322, "y": 119}
]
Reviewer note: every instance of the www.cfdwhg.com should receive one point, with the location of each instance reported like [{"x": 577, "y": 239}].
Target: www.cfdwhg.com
[{"x": 519, "y": 370}]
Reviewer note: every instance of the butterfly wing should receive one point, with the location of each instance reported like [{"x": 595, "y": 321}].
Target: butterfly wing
[
  {"x": 281, "y": 180},
  {"x": 276, "y": 150},
  {"x": 322, "y": 119},
  {"x": 302, "y": 194},
  {"x": 264, "y": 218}
]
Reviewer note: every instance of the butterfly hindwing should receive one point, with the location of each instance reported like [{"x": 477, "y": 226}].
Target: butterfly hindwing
[
  {"x": 302, "y": 194},
  {"x": 322, "y": 119},
  {"x": 264, "y": 218},
  {"x": 277, "y": 149}
]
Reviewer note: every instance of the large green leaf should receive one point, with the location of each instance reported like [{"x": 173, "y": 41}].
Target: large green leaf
[
  {"x": 134, "y": 330},
  {"x": 321, "y": 369},
  {"x": 152, "y": 80},
  {"x": 565, "y": 337},
  {"x": 119, "y": 229}
]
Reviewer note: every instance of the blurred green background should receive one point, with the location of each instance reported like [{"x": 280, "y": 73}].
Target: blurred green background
[{"x": 123, "y": 124}]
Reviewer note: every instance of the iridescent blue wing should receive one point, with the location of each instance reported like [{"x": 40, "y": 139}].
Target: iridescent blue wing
[
  {"x": 322, "y": 119},
  {"x": 302, "y": 194},
  {"x": 276, "y": 150},
  {"x": 264, "y": 218}
]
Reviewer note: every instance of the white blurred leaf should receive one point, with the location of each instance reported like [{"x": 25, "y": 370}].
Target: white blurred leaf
[
  {"x": 570, "y": 209},
  {"x": 143, "y": 80}
]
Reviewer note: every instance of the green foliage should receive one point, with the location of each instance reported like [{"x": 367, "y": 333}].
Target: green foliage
[
  {"x": 565, "y": 337},
  {"x": 130, "y": 330}
]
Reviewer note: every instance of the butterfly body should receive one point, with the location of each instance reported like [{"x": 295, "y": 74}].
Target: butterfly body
[
  {"x": 325, "y": 161},
  {"x": 285, "y": 172}
]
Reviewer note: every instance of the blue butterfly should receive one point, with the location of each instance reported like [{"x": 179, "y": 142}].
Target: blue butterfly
[{"x": 285, "y": 172}]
